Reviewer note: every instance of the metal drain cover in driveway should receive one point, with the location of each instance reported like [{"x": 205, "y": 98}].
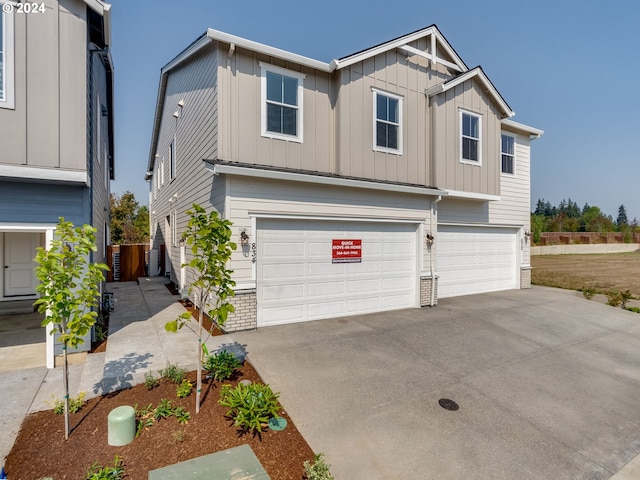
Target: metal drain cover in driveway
[{"x": 448, "y": 404}]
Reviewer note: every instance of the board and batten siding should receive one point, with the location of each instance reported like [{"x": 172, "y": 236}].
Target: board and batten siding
[
  {"x": 194, "y": 135},
  {"x": 252, "y": 197},
  {"x": 47, "y": 127},
  {"x": 240, "y": 99},
  {"x": 449, "y": 172},
  {"x": 396, "y": 73}
]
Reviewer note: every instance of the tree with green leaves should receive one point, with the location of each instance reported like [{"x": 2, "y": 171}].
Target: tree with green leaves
[
  {"x": 69, "y": 290},
  {"x": 209, "y": 239},
  {"x": 622, "y": 219},
  {"x": 129, "y": 220}
]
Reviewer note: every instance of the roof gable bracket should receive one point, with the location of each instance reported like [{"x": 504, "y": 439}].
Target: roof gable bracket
[{"x": 434, "y": 58}]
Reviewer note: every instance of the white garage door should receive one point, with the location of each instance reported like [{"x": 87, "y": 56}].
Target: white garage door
[
  {"x": 305, "y": 273},
  {"x": 475, "y": 260}
]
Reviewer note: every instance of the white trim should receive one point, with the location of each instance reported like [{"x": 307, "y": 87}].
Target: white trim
[
  {"x": 473, "y": 195},
  {"x": 400, "y": 99},
  {"x": 532, "y": 131},
  {"x": 512, "y": 155},
  {"x": 264, "y": 69},
  {"x": 284, "y": 216},
  {"x": 8, "y": 59},
  {"x": 466, "y": 161},
  {"x": 482, "y": 78},
  {"x": 487, "y": 225},
  {"x": 27, "y": 227},
  {"x": 434, "y": 58},
  {"x": 333, "y": 181},
  {"x": 186, "y": 54},
  {"x": 44, "y": 174},
  {"x": 245, "y": 286}
]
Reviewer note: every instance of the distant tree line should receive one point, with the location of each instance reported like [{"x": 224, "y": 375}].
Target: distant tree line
[{"x": 569, "y": 217}]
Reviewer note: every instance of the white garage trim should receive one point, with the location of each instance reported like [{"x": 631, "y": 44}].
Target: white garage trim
[
  {"x": 297, "y": 279},
  {"x": 476, "y": 259}
]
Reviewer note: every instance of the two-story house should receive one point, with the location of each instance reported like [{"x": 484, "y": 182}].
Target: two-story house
[
  {"x": 56, "y": 132},
  {"x": 382, "y": 180}
]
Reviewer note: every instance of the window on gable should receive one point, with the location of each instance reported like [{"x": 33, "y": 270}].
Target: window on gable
[
  {"x": 6, "y": 58},
  {"x": 387, "y": 122},
  {"x": 470, "y": 144},
  {"x": 507, "y": 150},
  {"x": 281, "y": 103}
]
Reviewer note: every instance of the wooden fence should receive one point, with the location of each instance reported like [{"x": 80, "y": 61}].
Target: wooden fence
[
  {"x": 127, "y": 262},
  {"x": 569, "y": 238}
]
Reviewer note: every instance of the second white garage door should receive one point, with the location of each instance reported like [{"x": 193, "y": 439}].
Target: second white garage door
[
  {"x": 475, "y": 260},
  {"x": 298, "y": 278}
]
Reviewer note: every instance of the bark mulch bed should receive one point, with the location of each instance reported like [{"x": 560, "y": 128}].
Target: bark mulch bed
[{"x": 41, "y": 451}]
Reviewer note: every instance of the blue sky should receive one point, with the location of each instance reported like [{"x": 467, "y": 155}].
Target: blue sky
[{"x": 567, "y": 67}]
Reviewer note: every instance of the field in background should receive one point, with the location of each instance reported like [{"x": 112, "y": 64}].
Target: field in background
[{"x": 613, "y": 271}]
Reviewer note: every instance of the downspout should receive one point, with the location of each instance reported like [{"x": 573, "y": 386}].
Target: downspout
[{"x": 430, "y": 241}]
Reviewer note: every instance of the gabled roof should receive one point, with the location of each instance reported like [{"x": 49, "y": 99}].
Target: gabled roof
[{"x": 479, "y": 75}]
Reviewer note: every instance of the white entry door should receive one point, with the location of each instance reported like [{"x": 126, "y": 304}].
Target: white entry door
[
  {"x": 19, "y": 252},
  {"x": 304, "y": 273}
]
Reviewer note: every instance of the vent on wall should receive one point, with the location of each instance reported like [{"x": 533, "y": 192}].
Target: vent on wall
[{"x": 116, "y": 266}]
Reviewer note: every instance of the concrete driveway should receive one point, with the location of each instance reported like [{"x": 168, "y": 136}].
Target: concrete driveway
[{"x": 547, "y": 382}]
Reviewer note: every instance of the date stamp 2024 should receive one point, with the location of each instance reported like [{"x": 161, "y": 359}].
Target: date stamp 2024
[{"x": 28, "y": 7}]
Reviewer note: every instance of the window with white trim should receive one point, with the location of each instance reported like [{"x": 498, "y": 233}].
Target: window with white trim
[
  {"x": 282, "y": 92},
  {"x": 6, "y": 58},
  {"x": 387, "y": 124},
  {"x": 507, "y": 153},
  {"x": 470, "y": 138},
  {"x": 162, "y": 172},
  {"x": 174, "y": 228}
]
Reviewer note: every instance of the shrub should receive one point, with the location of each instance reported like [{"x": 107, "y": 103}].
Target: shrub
[
  {"x": 107, "y": 473},
  {"x": 150, "y": 381},
  {"x": 625, "y": 296},
  {"x": 633, "y": 309},
  {"x": 163, "y": 410},
  {"x": 173, "y": 373},
  {"x": 588, "y": 292},
  {"x": 614, "y": 298},
  {"x": 75, "y": 404},
  {"x": 319, "y": 470},
  {"x": 184, "y": 389},
  {"x": 221, "y": 366},
  {"x": 250, "y": 406},
  {"x": 182, "y": 415}
]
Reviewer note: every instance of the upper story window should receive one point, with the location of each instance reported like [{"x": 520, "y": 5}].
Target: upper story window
[
  {"x": 387, "y": 125},
  {"x": 282, "y": 93},
  {"x": 470, "y": 138},
  {"x": 6, "y": 57},
  {"x": 507, "y": 152}
]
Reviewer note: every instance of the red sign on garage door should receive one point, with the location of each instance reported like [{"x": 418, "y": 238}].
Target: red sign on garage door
[{"x": 346, "y": 251}]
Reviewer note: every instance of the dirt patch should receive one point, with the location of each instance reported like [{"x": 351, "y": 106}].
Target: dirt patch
[
  {"x": 603, "y": 272},
  {"x": 41, "y": 451}
]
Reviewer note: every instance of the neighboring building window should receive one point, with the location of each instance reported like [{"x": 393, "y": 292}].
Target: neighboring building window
[
  {"x": 172, "y": 159},
  {"x": 282, "y": 92},
  {"x": 162, "y": 172},
  {"x": 508, "y": 154},
  {"x": 470, "y": 145},
  {"x": 388, "y": 122},
  {"x": 6, "y": 58}
]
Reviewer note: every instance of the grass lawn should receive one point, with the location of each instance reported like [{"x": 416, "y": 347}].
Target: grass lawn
[{"x": 603, "y": 272}]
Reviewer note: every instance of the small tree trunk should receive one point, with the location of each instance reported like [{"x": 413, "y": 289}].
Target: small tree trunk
[
  {"x": 199, "y": 367},
  {"x": 65, "y": 380}
]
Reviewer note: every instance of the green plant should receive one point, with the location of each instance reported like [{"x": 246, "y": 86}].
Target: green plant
[
  {"x": 184, "y": 389},
  {"x": 144, "y": 418},
  {"x": 68, "y": 289},
  {"x": 163, "y": 410},
  {"x": 250, "y": 406},
  {"x": 173, "y": 373},
  {"x": 319, "y": 470},
  {"x": 614, "y": 298},
  {"x": 633, "y": 309},
  {"x": 75, "y": 404},
  {"x": 182, "y": 415},
  {"x": 625, "y": 296},
  {"x": 96, "y": 472},
  {"x": 150, "y": 381},
  {"x": 588, "y": 292},
  {"x": 209, "y": 239},
  {"x": 221, "y": 365}
]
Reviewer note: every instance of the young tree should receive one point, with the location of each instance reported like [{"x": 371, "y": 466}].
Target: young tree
[
  {"x": 129, "y": 220},
  {"x": 68, "y": 290},
  {"x": 622, "y": 217},
  {"x": 209, "y": 237}
]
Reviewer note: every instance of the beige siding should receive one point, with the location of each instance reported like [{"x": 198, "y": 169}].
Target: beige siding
[
  {"x": 240, "y": 99},
  {"x": 47, "y": 127},
  {"x": 195, "y": 132},
  {"x": 253, "y": 197},
  {"x": 449, "y": 172}
]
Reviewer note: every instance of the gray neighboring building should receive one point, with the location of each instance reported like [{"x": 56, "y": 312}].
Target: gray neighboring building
[
  {"x": 382, "y": 180},
  {"x": 56, "y": 132}
]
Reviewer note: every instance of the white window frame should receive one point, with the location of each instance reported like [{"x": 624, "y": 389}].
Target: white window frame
[
  {"x": 512, "y": 155},
  {"x": 172, "y": 159},
  {"x": 479, "y": 139},
  {"x": 400, "y": 99},
  {"x": 264, "y": 68},
  {"x": 7, "y": 100},
  {"x": 162, "y": 172},
  {"x": 174, "y": 228}
]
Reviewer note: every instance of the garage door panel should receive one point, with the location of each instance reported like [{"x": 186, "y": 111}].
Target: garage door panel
[
  {"x": 475, "y": 259},
  {"x": 384, "y": 278}
]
